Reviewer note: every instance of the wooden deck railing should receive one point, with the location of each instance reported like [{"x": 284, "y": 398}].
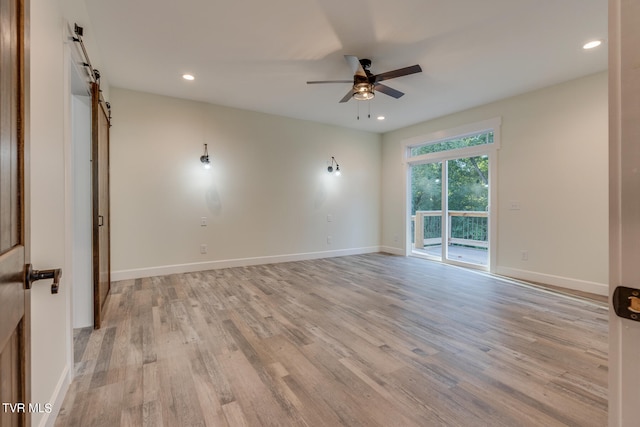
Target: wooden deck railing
[{"x": 467, "y": 228}]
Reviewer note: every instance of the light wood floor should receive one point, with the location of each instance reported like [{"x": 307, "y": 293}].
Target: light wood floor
[{"x": 369, "y": 340}]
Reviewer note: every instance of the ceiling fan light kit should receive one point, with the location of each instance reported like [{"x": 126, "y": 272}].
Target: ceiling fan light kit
[{"x": 363, "y": 91}]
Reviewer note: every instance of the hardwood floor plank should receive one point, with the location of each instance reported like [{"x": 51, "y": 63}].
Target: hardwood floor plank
[
  {"x": 101, "y": 369},
  {"x": 150, "y": 382},
  {"x": 151, "y": 414},
  {"x": 365, "y": 340},
  {"x": 260, "y": 404},
  {"x": 259, "y": 363},
  {"x": 233, "y": 415},
  {"x": 131, "y": 416},
  {"x": 180, "y": 406}
]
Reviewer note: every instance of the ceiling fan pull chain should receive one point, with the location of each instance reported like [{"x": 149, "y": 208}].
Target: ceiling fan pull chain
[
  {"x": 369, "y": 104},
  {"x": 358, "y": 107}
]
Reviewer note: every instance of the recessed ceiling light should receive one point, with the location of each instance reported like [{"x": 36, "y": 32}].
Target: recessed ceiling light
[
  {"x": 188, "y": 77},
  {"x": 380, "y": 118},
  {"x": 592, "y": 44}
]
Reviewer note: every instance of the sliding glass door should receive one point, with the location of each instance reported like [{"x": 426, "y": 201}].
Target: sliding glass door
[
  {"x": 426, "y": 209},
  {"x": 450, "y": 209},
  {"x": 467, "y": 210},
  {"x": 450, "y": 175}
]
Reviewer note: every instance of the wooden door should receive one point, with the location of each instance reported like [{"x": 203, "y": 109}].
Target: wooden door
[
  {"x": 100, "y": 201},
  {"x": 14, "y": 298}
]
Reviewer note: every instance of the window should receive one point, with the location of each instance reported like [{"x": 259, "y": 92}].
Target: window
[
  {"x": 452, "y": 144},
  {"x": 469, "y": 139}
]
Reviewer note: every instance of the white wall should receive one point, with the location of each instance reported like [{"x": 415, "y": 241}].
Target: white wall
[
  {"x": 49, "y": 313},
  {"x": 51, "y": 188},
  {"x": 553, "y": 161},
  {"x": 82, "y": 225},
  {"x": 266, "y": 197}
]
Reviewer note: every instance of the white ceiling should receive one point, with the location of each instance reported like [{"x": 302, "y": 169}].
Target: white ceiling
[{"x": 258, "y": 55}]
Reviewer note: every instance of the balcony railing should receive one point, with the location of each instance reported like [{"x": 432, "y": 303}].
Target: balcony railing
[{"x": 466, "y": 228}]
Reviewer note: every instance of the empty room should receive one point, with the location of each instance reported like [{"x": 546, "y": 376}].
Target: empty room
[{"x": 319, "y": 213}]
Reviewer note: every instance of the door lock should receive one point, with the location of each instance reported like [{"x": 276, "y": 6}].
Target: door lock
[{"x": 31, "y": 275}]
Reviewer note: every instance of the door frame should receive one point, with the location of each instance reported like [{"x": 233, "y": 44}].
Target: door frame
[
  {"x": 624, "y": 185},
  {"x": 491, "y": 150}
]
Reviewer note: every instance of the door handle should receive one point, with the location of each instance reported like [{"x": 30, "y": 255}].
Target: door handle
[
  {"x": 31, "y": 275},
  {"x": 100, "y": 220}
]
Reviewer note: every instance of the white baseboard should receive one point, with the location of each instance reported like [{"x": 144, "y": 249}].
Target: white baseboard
[
  {"x": 549, "y": 279},
  {"x": 164, "y": 270},
  {"x": 57, "y": 398},
  {"x": 391, "y": 250},
  {"x": 532, "y": 276}
]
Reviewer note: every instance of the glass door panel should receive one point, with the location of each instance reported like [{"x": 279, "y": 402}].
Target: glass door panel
[
  {"x": 426, "y": 209},
  {"x": 467, "y": 210}
]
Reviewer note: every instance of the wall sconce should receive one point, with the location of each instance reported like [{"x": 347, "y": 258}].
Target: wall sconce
[
  {"x": 205, "y": 158},
  {"x": 330, "y": 168}
]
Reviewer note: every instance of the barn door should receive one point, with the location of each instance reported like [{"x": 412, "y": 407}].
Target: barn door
[
  {"x": 100, "y": 201},
  {"x": 14, "y": 297}
]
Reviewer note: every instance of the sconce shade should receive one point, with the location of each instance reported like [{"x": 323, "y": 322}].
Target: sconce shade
[{"x": 205, "y": 158}]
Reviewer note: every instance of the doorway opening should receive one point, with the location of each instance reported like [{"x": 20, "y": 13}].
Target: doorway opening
[{"x": 80, "y": 200}]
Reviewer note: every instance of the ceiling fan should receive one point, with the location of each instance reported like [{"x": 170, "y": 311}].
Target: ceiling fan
[{"x": 364, "y": 82}]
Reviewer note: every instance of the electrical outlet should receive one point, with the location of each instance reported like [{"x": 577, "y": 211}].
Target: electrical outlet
[
  {"x": 329, "y": 240},
  {"x": 329, "y": 218},
  {"x": 525, "y": 255},
  {"x": 203, "y": 249},
  {"x": 203, "y": 221},
  {"x": 395, "y": 238}
]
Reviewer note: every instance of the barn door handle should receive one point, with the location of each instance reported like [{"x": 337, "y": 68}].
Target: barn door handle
[{"x": 31, "y": 275}]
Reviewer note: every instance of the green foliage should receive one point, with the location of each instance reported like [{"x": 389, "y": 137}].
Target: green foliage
[
  {"x": 426, "y": 187},
  {"x": 453, "y": 144},
  {"x": 469, "y": 184},
  {"x": 468, "y": 187}
]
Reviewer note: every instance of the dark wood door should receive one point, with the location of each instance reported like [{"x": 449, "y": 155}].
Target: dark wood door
[
  {"x": 100, "y": 196},
  {"x": 14, "y": 298}
]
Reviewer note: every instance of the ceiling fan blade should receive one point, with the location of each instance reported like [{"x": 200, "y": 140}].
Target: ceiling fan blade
[
  {"x": 388, "y": 90},
  {"x": 398, "y": 73},
  {"x": 355, "y": 65},
  {"x": 348, "y": 96},
  {"x": 328, "y": 81}
]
